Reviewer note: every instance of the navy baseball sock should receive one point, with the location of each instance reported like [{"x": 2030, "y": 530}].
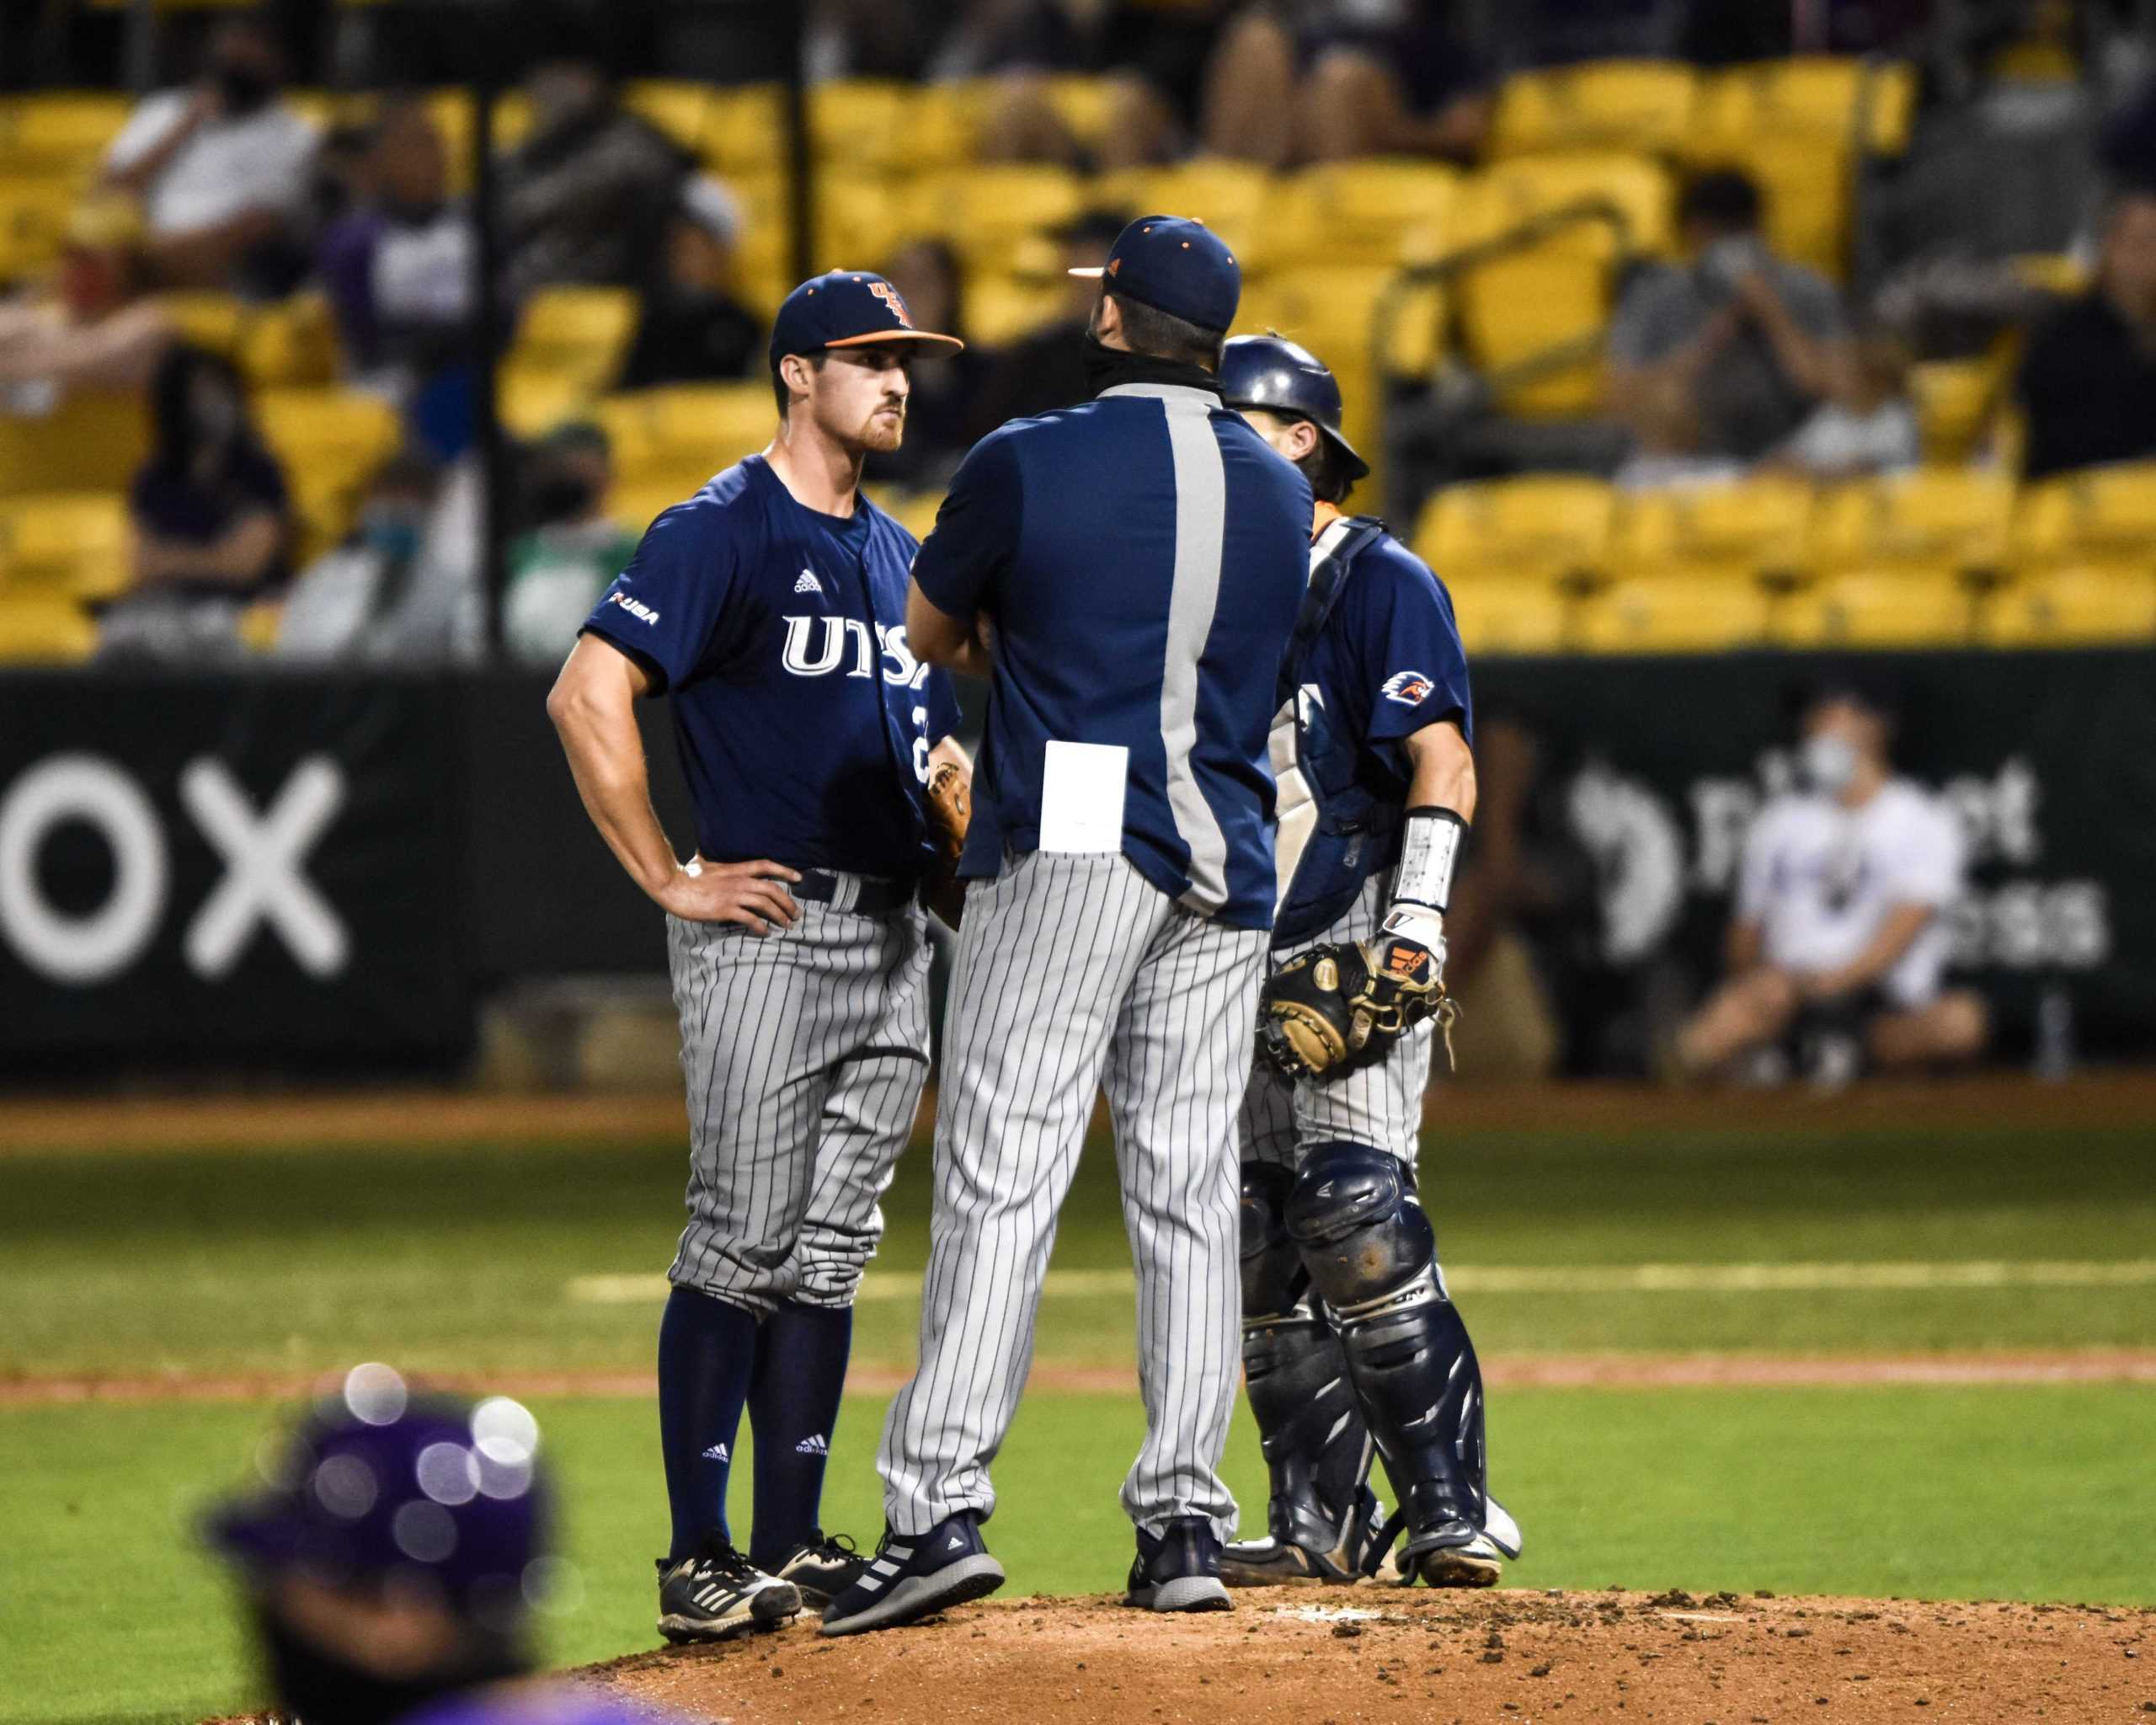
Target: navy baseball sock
[
  {"x": 706, "y": 1351},
  {"x": 793, "y": 1406}
]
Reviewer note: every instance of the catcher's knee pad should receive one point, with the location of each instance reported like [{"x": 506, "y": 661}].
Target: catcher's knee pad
[
  {"x": 1373, "y": 1258},
  {"x": 1354, "y": 1220},
  {"x": 1273, "y": 1276}
]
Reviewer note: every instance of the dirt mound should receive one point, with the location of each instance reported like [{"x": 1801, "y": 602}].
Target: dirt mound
[{"x": 1346, "y": 1655}]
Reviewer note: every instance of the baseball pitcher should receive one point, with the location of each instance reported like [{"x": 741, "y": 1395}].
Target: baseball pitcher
[
  {"x": 1349, "y": 1334},
  {"x": 1140, "y": 558},
  {"x": 770, "y": 608}
]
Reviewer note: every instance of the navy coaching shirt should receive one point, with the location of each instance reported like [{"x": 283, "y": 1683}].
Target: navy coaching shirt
[
  {"x": 1142, "y": 557},
  {"x": 805, "y": 721}
]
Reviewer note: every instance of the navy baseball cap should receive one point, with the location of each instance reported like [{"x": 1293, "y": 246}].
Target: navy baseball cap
[
  {"x": 846, "y": 308},
  {"x": 1174, "y": 263},
  {"x": 377, "y": 1481}
]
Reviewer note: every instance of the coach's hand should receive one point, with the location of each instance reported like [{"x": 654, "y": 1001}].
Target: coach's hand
[{"x": 751, "y": 894}]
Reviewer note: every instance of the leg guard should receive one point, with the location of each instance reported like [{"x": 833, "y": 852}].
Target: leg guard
[
  {"x": 1318, "y": 1452},
  {"x": 1373, "y": 1260}
]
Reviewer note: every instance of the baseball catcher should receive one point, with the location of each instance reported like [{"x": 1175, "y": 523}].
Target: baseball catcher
[{"x": 1352, "y": 1347}]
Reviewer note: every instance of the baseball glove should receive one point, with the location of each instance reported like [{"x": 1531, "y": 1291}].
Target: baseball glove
[
  {"x": 1337, "y": 1009},
  {"x": 950, "y": 812}
]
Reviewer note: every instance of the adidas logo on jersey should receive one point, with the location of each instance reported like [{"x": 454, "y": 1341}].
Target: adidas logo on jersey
[
  {"x": 717, "y": 1453},
  {"x": 812, "y": 1445},
  {"x": 808, "y": 583}
]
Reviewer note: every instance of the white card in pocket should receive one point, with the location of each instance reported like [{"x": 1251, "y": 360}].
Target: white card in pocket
[{"x": 1081, "y": 796}]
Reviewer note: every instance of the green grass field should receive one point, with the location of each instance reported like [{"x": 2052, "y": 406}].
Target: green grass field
[{"x": 463, "y": 1257}]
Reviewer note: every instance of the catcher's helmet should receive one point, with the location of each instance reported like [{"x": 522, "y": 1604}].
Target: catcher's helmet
[{"x": 1272, "y": 372}]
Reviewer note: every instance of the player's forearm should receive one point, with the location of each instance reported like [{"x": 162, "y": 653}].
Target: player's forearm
[
  {"x": 937, "y": 637},
  {"x": 598, "y": 729},
  {"x": 1743, "y": 948},
  {"x": 1444, "y": 776}
]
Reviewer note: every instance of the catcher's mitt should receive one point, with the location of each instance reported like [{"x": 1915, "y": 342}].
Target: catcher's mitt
[
  {"x": 1337, "y": 1009},
  {"x": 950, "y": 812}
]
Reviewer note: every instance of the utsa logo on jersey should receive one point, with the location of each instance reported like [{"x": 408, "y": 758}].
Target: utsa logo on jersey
[
  {"x": 1410, "y": 688},
  {"x": 829, "y": 650}
]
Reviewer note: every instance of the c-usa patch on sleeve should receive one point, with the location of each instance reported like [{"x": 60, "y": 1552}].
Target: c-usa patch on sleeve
[{"x": 1410, "y": 688}]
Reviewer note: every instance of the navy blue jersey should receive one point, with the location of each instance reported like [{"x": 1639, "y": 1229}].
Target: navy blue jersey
[
  {"x": 1141, "y": 557},
  {"x": 805, "y": 721},
  {"x": 1386, "y": 662}
]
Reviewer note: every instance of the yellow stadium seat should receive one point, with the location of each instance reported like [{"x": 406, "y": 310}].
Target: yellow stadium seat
[
  {"x": 1229, "y": 197},
  {"x": 68, "y": 131},
  {"x": 668, "y": 434},
  {"x": 93, "y": 442},
  {"x": 986, "y": 211},
  {"x": 2055, "y": 272},
  {"x": 1084, "y": 103},
  {"x": 860, "y": 221},
  {"x": 580, "y": 333},
  {"x": 636, "y": 507},
  {"x": 941, "y": 123},
  {"x": 1907, "y": 610},
  {"x": 1546, "y": 530},
  {"x": 1377, "y": 210},
  {"x": 1755, "y": 530},
  {"x": 533, "y": 399},
  {"x": 78, "y": 544},
  {"x": 1672, "y": 614},
  {"x": 857, "y": 123},
  {"x": 1949, "y": 521},
  {"x": 913, "y": 511},
  {"x": 330, "y": 441},
  {"x": 1623, "y": 105},
  {"x": 1955, "y": 401},
  {"x": 1000, "y": 309},
  {"x": 680, "y": 109},
  {"x": 1635, "y": 188},
  {"x": 2071, "y": 608},
  {"x": 45, "y": 630},
  {"x": 744, "y": 129},
  {"x": 1332, "y": 312},
  {"x": 456, "y": 118},
  {"x": 2099, "y": 515},
  {"x": 1510, "y": 617},
  {"x": 32, "y": 218},
  {"x": 209, "y": 320},
  {"x": 1857, "y": 106},
  {"x": 292, "y": 343}
]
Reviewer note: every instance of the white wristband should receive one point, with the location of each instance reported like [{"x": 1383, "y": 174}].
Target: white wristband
[{"x": 1429, "y": 846}]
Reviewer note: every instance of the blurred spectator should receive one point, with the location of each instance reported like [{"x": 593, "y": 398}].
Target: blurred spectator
[
  {"x": 1298, "y": 80},
  {"x": 398, "y": 269},
  {"x": 211, "y": 514},
  {"x": 1756, "y": 341},
  {"x": 868, "y": 38},
  {"x": 1152, "y": 53},
  {"x": 1046, "y": 370},
  {"x": 342, "y": 602},
  {"x": 587, "y": 195},
  {"x": 1839, "y": 931},
  {"x": 2087, "y": 381},
  {"x": 1869, "y": 425},
  {"x": 940, "y": 408},
  {"x": 95, "y": 330},
  {"x": 691, "y": 329},
  {"x": 558, "y": 569},
  {"x": 1666, "y": 454},
  {"x": 221, "y": 168}
]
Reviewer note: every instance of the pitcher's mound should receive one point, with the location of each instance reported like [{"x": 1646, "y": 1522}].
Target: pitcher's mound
[{"x": 1311, "y": 1656}]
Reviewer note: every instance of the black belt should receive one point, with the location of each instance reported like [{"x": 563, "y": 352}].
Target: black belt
[{"x": 872, "y": 896}]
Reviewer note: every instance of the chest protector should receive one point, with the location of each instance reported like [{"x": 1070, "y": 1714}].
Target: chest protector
[{"x": 1335, "y": 831}]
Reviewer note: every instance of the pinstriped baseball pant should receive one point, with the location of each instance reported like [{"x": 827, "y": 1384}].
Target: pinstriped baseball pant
[
  {"x": 1380, "y": 1106},
  {"x": 1073, "y": 974},
  {"x": 805, "y": 1052}
]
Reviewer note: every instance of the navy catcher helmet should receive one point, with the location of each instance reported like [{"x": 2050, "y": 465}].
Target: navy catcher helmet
[{"x": 1279, "y": 375}]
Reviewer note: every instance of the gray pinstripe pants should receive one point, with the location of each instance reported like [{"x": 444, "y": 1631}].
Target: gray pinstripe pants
[
  {"x": 1073, "y": 974},
  {"x": 805, "y": 1052},
  {"x": 1380, "y": 1106}
]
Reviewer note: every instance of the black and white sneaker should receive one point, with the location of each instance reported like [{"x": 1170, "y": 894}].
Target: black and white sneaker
[
  {"x": 822, "y": 1568},
  {"x": 715, "y": 1594},
  {"x": 914, "y": 1575},
  {"x": 1179, "y": 1571}
]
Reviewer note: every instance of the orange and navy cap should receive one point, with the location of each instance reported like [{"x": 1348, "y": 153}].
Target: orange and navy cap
[
  {"x": 1175, "y": 264},
  {"x": 846, "y": 308}
]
